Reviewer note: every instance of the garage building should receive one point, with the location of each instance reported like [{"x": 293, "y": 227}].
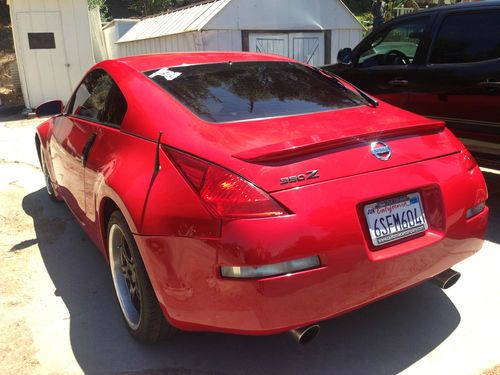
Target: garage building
[
  {"x": 311, "y": 31},
  {"x": 54, "y": 47}
]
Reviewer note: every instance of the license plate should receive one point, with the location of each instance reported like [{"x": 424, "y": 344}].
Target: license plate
[{"x": 395, "y": 218}]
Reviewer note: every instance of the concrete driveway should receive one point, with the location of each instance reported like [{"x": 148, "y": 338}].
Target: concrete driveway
[{"x": 59, "y": 314}]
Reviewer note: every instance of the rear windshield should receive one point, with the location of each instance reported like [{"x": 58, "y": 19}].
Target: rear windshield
[{"x": 226, "y": 92}]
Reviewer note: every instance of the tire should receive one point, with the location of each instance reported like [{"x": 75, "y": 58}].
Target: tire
[
  {"x": 48, "y": 182},
  {"x": 136, "y": 297}
]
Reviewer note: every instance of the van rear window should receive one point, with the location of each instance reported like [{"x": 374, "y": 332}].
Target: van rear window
[{"x": 225, "y": 92}]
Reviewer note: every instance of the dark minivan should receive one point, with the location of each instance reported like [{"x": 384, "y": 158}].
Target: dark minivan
[{"x": 442, "y": 63}]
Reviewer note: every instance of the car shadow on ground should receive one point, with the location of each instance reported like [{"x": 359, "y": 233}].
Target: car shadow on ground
[
  {"x": 383, "y": 338},
  {"x": 493, "y": 181}
]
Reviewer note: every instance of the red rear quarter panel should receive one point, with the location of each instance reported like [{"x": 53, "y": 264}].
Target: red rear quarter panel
[{"x": 123, "y": 161}]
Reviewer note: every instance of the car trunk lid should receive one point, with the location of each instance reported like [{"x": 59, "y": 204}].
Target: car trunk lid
[
  {"x": 342, "y": 147},
  {"x": 292, "y": 151}
]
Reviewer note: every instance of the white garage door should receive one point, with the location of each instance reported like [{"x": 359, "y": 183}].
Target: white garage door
[
  {"x": 43, "y": 53},
  {"x": 269, "y": 43},
  {"x": 305, "y": 47}
]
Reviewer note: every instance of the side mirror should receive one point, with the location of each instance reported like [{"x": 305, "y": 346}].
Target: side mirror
[
  {"x": 344, "y": 56},
  {"x": 54, "y": 107}
]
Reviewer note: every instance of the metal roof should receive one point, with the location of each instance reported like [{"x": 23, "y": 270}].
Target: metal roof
[{"x": 179, "y": 21}]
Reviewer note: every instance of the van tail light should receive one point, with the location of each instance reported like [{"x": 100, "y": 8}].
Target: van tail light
[{"x": 224, "y": 193}]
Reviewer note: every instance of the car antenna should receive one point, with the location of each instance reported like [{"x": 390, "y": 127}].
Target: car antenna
[{"x": 157, "y": 155}]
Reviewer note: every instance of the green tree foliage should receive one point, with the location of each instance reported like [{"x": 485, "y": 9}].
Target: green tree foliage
[
  {"x": 149, "y": 7},
  {"x": 101, "y": 4},
  {"x": 359, "y": 6},
  {"x": 393, "y": 4},
  {"x": 363, "y": 7}
]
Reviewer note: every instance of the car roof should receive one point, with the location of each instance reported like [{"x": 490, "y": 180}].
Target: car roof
[
  {"x": 448, "y": 8},
  {"x": 165, "y": 60}
]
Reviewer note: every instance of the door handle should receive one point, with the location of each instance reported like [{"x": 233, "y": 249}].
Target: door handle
[
  {"x": 86, "y": 149},
  {"x": 398, "y": 82},
  {"x": 489, "y": 84}
]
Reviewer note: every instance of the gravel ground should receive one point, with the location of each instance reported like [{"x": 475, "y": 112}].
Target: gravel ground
[
  {"x": 59, "y": 314},
  {"x": 493, "y": 371}
]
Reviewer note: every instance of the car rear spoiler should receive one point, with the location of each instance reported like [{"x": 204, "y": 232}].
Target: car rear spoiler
[{"x": 317, "y": 143}]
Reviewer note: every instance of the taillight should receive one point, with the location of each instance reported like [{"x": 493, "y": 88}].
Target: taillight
[
  {"x": 469, "y": 160},
  {"x": 224, "y": 193}
]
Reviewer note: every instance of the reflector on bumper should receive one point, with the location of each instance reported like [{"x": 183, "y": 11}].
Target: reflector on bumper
[
  {"x": 475, "y": 210},
  {"x": 270, "y": 269}
]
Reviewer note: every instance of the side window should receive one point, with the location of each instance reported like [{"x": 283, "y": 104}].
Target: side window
[
  {"x": 91, "y": 95},
  {"x": 478, "y": 42},
  {"x": 99, "y": 98},
  {"x": 115, "y": 107},
  {"x": 395, "y": 46}
]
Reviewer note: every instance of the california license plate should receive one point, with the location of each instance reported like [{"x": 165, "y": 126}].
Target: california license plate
[{"x": 396, "y": 218}]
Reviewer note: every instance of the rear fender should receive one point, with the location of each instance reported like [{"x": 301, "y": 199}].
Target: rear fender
[
  {"x": 118, "y": 170},
  {"x": 152, "y": 204},
  {"x": 109, "y": 195}
]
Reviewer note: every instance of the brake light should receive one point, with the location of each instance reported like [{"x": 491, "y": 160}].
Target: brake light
[{"x": 225, "y": 193}]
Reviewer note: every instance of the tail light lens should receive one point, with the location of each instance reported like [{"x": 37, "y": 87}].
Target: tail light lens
[
  {"x": 225, "y": 193},
  {"x": 469, "y": 160}
]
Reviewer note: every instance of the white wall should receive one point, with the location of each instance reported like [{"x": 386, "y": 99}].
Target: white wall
[
  {"x": 190, "y": 41},
  {"x": 97, "y": 35},
  {"x": 114, "y": 31},
  {"x": 211, "y": 40},
  {"x": 48, "y": 74},
  {"x": 289, "y": 15},
  {"x": 283, "y": 15},
  {"x": 221, "y": 40},
  {"x": 342, "y": 38}
]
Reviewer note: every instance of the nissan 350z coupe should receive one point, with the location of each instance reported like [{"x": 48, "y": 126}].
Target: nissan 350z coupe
[{"x": 252, "y": 194}]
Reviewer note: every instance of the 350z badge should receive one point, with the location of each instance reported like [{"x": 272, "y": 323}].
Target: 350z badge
[{"x": 309, "y": 175}]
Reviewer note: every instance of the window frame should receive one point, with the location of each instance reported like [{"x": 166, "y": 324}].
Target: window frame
[
  {"x": 438, "y": 26},
  {"x": 69, "y": 107},
  {"x": 420, "y": 53}
]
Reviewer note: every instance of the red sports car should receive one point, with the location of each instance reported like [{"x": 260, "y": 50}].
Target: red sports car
[{"x": 253, "y": 194}]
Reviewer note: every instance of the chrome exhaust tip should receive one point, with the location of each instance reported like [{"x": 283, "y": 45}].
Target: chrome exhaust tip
[
  {"x": 446, "y": 279},
  {"x": 305, "y": 335}
]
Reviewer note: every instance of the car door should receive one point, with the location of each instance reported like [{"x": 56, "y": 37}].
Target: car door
[
  {"x": 73, "y": 137},
  {"x": 460, "y": 83},
  {"x": 107, "y": 140},
  {"x": 66, "y": 146},
  {"x": 385, "y": 62}
]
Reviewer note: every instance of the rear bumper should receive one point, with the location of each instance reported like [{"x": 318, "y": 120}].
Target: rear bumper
[{"x": 185, "y": 272}]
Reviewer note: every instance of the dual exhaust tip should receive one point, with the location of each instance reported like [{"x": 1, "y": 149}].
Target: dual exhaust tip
[{"x": 305, "y": 335}]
